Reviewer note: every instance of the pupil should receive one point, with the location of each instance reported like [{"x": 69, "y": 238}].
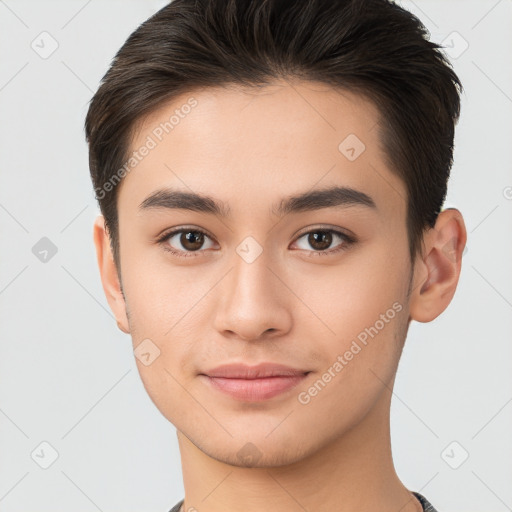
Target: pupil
[
  {"x": 192, "y": 240},
  {"x": 325, "y": 239}
]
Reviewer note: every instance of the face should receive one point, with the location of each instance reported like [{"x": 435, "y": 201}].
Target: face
[{"x": 318, "y": 283}]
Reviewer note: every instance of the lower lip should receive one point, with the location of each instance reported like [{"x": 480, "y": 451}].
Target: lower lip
[{"x": 254, "y": 390}]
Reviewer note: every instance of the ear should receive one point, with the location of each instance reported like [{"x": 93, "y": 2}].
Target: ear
[
  {"x": 108, "y": 272},
  {"x": 437, "y": 270}
]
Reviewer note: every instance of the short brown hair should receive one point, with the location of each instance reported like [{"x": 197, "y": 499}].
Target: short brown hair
[{"x": 371, "y": 47}]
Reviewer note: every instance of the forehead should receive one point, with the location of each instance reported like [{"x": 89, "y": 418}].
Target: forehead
[{"x": 250, "y": 146}]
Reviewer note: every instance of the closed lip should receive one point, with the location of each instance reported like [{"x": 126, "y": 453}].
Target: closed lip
[{"x": 259, "y": 371}]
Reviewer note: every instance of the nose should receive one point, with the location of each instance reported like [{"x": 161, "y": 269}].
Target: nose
[{"x": 252, "y": 300}]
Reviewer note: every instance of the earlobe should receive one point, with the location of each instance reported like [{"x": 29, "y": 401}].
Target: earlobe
[
  {"x": 437, "y": 274},
  {"x": 108, "y": 273}
]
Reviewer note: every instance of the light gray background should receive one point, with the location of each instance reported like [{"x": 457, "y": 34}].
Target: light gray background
[{"x": 68, "y": 375}]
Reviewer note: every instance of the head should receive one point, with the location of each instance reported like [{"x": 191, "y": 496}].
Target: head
[{"x": 258, "y": 126}]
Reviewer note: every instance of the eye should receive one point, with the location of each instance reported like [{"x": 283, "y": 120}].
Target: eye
[
  {"x": 321, "y": 239},
  {"x": 181, "y": 242},
  {"x": 189, "y": 242}
]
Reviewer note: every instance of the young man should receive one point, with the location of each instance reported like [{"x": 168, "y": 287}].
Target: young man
[{"x": 271, "y": 177}]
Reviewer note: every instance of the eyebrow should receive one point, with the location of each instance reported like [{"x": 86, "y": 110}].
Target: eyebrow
[{"x": 307, "y": 201}]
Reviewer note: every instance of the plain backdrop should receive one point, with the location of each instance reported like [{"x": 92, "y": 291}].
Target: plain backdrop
[{"x": 70, "y": 394}]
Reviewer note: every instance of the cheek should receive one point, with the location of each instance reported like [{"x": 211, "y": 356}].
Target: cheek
[
  {"x": 363, "y": 318},
  {"x": 343, "y": 301},
  {"x": 159, "y": 296},
  {"x": 360, "y": 349},
  {"x": 165, "y": 386}
]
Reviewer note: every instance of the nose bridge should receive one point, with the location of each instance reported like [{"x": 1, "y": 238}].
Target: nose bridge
[{"x": 250, "y": 282}]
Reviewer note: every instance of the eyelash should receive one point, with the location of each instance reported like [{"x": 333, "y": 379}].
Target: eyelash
[{"x": 347, "y": 241}]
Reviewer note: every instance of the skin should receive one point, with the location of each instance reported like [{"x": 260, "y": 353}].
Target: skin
[{"x": 250, "y": 149}]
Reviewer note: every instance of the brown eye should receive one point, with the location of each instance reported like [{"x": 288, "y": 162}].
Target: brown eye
[
  {"x": 182, "y": 242},
  {"x": 320, "y": 240},
  {"x": 192, "y": 240}
]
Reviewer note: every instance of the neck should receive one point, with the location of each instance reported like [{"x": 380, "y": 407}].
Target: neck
[{"x": 354, "y": 471}]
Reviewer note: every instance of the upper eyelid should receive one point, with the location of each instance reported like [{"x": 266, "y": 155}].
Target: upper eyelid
[
  {"x": 166, "y": 234},
  {"x": 322, "y": 228}
]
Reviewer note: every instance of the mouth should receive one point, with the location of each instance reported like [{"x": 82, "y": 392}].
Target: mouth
[{"x": 253, "y": 383}]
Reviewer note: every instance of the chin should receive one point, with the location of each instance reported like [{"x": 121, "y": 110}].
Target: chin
[{"x": 255, "y": 450}]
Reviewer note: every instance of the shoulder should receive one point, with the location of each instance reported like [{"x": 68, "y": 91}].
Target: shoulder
[
  {"x": 427, "y": 506},
  {"x": 177, "y": 507}
]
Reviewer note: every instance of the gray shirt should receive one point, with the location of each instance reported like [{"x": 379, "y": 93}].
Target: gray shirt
[{"x": 427, "y": 507}]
